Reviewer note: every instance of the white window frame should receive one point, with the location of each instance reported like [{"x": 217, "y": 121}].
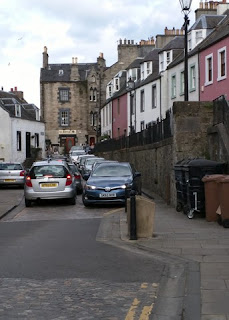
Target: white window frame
[
  {"x": 207, "y": 58},
  {"x": 154, "y": 96},
  {"x": 17, "y": 110},
  {"x": 64, "y": 95},
  {"x": 192, "y": 77},
  {"x": 182, "y": 83},
  {"x": 173, "y": 86},
  {"x": 116, "y": 84},
  {"x": 64, "y": 118},
  {"x": 142, "y": 71},
  {"x": 220, "y": 77}
]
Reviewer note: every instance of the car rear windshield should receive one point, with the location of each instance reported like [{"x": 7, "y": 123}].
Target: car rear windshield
[
  {"x": 112, "y": 171},
  {"x": 48, "y": 170},
  {"x": 77, "y": 153},
  {"x": 10, "y": 166}
]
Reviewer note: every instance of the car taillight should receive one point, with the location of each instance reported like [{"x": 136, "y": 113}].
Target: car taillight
[
  {"x": 77, "y": 176},
  {"x": 28, "y": 181},
  {"x": 22, "y": 173},
  {"x": 69, "y": 180}
]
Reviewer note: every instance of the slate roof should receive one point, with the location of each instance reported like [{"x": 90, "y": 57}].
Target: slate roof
[
  {"x": 207, "y": 22},
  {"x": 176, "y": 43},
  {"x": 8, "y": 101},
  {"x": 152, "y": 55},
  {"x": 135, "y": 63},
  {"x": 51, "y": 73}
]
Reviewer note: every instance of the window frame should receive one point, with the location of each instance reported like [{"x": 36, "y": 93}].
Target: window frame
[
  {"x": 208, "y": 58},
  {"x": 142, "y": 100},
  {"x": 19, "y": 142},
  {"x": 219, "y": 61},
  {"x": 64, "y": 95},
  {"x": 173, "y": 86},
  {"x": 192, "y": 80},
  {"x": 67, "y": 112},
  {"x": 17, "y": 110},
  {"x": 154, "y": 96}
]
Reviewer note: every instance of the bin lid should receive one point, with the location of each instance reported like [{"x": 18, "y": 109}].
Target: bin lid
[
  {"x": 212, "y": 177},
  {"x": 224, "y": 179},
  {"x": 199, "y": 162}
]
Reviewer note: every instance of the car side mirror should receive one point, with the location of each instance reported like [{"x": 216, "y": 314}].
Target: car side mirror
[{"x": 137, "y": 174}]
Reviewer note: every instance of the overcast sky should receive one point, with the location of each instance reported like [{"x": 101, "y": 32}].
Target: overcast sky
[{"x": 74, "y": 28}]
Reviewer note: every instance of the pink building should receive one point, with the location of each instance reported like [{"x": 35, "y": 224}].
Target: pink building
[
  {"x": 214, "y": 65},
  {"x": 119, "y": 115}
]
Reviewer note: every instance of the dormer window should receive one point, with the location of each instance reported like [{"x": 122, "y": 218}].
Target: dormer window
[
  {"x": 148, "y": 68},
  {"x": 116, "y": 84},
  {"x": 168, "y": 57},
  {"x": 142, "y": 71},
  {"x": 61, "y": 72},
  {"x": 18, "y": 110}
]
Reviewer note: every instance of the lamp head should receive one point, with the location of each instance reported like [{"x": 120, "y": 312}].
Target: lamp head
[{"x": 185, "y": 6}]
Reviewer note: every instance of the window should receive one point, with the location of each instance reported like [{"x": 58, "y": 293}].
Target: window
[
  {"x": 36, "y": 136},
  {"x": 182, "y": 83},
  {"x": 154, "y": 96},
  {"x": 91, "y": 94},
  {"x": 209, "y": 69},
  {"x": 142, "y": 125},
  {"x": 64, "y": 94},
  {"x": 173, "y": 87},
  {"x": 64, "y": 118},
  {"x": 134, "y": 74},
  {"x": 168, "y": 57},
  {"x": 221, "y": 64},
  {"x": 18, "y": 140},
  {"x": 61, "y": 72},
  {"x": 142, "y": 101},
  {"x": 95, "y": 95},
  {"x": 116, "y": 81},
  {"x": 193, "y": 78},
  {"x": 17, "y": 110},
  {"x": 199, "y": 36},
  {"x": 142, "y": 71},
  {"x": 148, "y": 68},
  {"x": 110, "y": 90}
]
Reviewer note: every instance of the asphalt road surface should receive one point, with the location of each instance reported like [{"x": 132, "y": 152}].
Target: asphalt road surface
[{"x": 52, "y": 266}]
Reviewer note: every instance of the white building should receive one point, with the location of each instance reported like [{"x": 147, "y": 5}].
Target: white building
[{"x": 21, "y": 131}]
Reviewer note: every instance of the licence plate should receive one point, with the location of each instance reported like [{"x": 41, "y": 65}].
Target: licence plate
[
  {"x": 48, "y": 185},
  {"x": 9, "y": 180},
  {"x": 107, "y": 195}
]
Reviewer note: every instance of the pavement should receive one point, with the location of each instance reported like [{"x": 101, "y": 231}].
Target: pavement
[{"x": 195, "y": 284}]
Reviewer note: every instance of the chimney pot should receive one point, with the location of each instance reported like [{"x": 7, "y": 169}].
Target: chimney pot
[
  {"x": 101, "y": 55},
  {"x": 11, "y": 89},
  {"x": 15, "y": 88}
]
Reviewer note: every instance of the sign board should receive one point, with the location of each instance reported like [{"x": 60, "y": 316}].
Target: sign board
[{"x": 67, "y": 131}]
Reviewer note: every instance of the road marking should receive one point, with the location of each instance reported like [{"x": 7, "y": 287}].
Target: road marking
[
  {"x": 146, "y": 312},
  {"x": 112, "y": 211},
  {"x": 131, "y": 313}
]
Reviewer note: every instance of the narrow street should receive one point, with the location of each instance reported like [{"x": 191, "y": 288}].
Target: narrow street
[{"x": 55, "y": 266}]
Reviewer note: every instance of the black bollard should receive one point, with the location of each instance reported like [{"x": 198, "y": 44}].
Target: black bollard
[
  {"x": 126, "y": 196},
  {"x": 133, "y": 227}
]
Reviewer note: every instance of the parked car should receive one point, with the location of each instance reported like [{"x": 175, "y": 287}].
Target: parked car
[
  {"x": 82, "y": 160},
  {"x": 88, "y": 164},
  {"x": 74, "y": 155},
  {"x": 49, "y": 179},
  {"x": 77, "y": 175},
  {"x": 12, "y": 173},
  {"x": 108, "y": 183}
]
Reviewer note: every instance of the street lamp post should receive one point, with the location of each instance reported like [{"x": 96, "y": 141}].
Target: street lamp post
[
  {"x": 185, "y": 6},
  {"x": 130, "y": 85}
]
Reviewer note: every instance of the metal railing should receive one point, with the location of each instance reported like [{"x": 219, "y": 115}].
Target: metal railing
[{"x": 155, "y": 132}]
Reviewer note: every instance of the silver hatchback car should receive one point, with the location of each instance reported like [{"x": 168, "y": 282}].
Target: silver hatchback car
[
  {"x": 49, "y": 180},
  {"x": 12, "y": 173}
]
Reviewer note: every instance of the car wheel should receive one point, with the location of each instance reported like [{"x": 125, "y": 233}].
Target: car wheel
[
  {"x": 28, "y": 203},
  {"x": 72, "y": 200},
  {"x": 84, "y": 202}
]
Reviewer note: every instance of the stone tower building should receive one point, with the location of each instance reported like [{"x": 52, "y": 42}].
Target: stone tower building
[{"x": 72, "y": 95}]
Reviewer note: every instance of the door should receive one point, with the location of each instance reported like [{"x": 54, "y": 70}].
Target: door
[
  {"x": 27, "y": 144},
  {"x": 70, "y": 141}
]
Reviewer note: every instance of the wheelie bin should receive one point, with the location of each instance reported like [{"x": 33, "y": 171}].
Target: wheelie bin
[
  {"x": 211, "y": 191},
  {"x": 195, "y": 170},
  {"x": 224, "y": 200},
  {"x": 180, "y": 184}
]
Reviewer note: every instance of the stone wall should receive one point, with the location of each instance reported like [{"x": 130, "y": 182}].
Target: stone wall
[{"x": 156, "y": 161}]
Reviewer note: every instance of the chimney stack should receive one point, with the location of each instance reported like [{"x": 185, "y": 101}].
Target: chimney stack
[{"x": 45, "y": 58}]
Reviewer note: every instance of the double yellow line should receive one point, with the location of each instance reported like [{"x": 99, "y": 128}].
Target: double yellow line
[{"x": 146, "y": 310}]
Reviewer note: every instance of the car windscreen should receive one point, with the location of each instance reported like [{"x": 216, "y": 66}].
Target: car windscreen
[
  {"x": 10, "y": 166},
  {"x": 48, "y": 170},
  {"x": 91, "y": 161},
  {"x": 111, "y": 171},
  {"x": 77, "y": 153}
]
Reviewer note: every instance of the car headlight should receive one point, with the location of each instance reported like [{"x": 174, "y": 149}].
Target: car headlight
[
  {"x": 123, "y": 186},
  {"x": 89, "y": 187}
]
